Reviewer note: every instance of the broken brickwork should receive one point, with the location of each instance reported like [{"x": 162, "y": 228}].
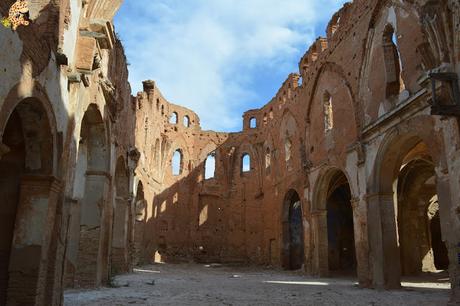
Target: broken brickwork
[{"x": 351, "y": 168}]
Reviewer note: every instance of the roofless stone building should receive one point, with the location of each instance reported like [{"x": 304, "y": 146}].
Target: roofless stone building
[{"x": 354, "y": 165}]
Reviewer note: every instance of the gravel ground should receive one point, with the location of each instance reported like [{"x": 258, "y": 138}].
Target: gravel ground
[{"x": 193, "y": 284}]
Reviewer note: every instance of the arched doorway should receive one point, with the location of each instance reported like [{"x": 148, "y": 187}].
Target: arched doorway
[
  {"x": 92, "y": 184},
  {"x": 403, "y": 214},
  {"x": 28, "y": 196},
  {"x": 120, "y": 242},
  {"x": 333, "y": 229},
  {"x": 340, "y": 230},
  {"x": 293, "y": 236},
  {"x": 419, "y": 227}
]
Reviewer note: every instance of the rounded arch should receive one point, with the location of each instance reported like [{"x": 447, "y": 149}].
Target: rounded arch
[
  {"x": 247, "y": 149},
  {"x": 179, "y": 144},
  {"x": 186, "y": 121},
  {"x": 174, "y": 118},
  {"x": 325, "y": 177},
  {"x": 92, "y": 179},
  {"x": 397, "y": 143},
  {"x": 94, "y": 135},
  {"x": 338, "y": 70},
  {"x": 36, "y": 96},
  {"x": 27, "y": 163},
  {"x": 396, "y": 148},
  {"x": 333, "y": 228},
  {"x": 177, "y": 162}
]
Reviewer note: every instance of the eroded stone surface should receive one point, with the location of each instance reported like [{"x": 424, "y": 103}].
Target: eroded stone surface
[{"x": 352, "y": 168}]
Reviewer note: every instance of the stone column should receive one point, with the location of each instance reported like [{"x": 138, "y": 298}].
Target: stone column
[
  {"x": 384, "y": 251},
  {"x": 450, "y": 228},
  {"x": 307, "y": 234},
  {"x": 33, "y": 230},
  {"x": 120, "y": 244},
  {"x": 92, "y": 262},
  {"x": 73, "y": 240},
  {"x": 361, "y": 241},
  {"x": 392, "y": 262},
  {"x": 320, "y": 258}
]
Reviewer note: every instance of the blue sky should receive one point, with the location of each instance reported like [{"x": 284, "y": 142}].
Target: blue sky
[{"x": 219, "y": 57}]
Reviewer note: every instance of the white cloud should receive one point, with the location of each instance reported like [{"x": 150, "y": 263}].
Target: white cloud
[{"x": 207, "y": 54}]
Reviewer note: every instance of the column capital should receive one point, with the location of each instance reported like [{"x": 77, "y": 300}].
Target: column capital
[
  {"x": 3, "y": 149},
  {"x": 378, "y": 195},
  {"x": 354, "y": 201},
  {"x": 98, "y": 173},
  {"x": 319, "y": 213}
]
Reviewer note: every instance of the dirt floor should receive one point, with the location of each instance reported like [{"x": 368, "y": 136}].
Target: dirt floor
[{"x": 192, "y": 284}]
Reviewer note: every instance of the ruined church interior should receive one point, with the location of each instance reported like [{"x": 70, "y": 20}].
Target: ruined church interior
[{"x": 343, "y": 189}]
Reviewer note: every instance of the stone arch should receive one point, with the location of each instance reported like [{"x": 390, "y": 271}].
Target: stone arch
[
  {"x": 335, "y": 142},
  {"x": 333, "y": 230},
  {"x": 37, "y": 93},
  {"x": 92, "y": 181},
  {"x": 177, "y": 163},
  {"x": 29, "y": 194},
  {"x": 174, "y": 118},
  {"x": 293, "y": 249},
  {"x": 186, "y": 121},
  {"x": 382, "y": 193},
  {"x": 402, "y": 138},
  {"x": 179, "y": 144},
  {"x": 389, "y": 61},
  {"x": 338, "y": 70},
  {"x": 421, "y": 246},
  {"x": 247, "y": 149},
  {"x": 120, "y": 225}
]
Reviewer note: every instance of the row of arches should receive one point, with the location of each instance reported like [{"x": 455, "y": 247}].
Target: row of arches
[
  {"x": 98, "y": 241},
  {"x": 409, "y": 223},
  {"x": 174, "y": 119}
]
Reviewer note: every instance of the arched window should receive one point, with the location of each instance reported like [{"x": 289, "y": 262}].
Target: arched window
[
  {"x": 328, "y": 112},
  {"x": 392, "y": 62},
  {"x": 252, "y": 123},
  {"x": 268, "y": 157},
  {"x": 158, "y": 104},
  {"x": 173, "y": 119},
  {"x": 265, "y": 119},
  {"x": 210, "y": 166},
  {"x": 162, "y": 110},
  {"x": 287, "y": 149},
  {"x": 245, "y": 163},
  {"x": 186, "y": 121},
  {"x": 177, "y": 163},
  {"x": 270, "y": 114}
]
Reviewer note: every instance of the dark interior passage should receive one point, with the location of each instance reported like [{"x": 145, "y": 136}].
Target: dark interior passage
[
  {"x": 341, "y": 244},
  {"x": 293, "y": 232},
  {"x": 419, "y": 227},
  {"x": 296, "y": 233},
  {"x": 441, "y": 256},
  {"x": 11, "y": 168}
]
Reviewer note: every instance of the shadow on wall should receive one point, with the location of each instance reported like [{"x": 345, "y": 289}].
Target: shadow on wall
[{"x": 33, "y": 167}]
